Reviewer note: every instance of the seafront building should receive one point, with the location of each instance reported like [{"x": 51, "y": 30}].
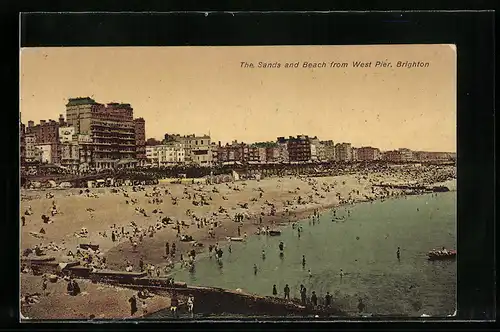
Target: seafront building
[
  {"x": 32, "y": 153},
  {"x": 165, "y": 155},
  {"x": 317, "y": 150},
  {"x": 46, "y": 135},
  {"x": 368, "y": 153},
  {"x": 198, "y": 149},
  {"x": 111, "y": 128},
  {"x": 298, "y": 148},
  {"x": 232, "y": 153},
  {"x": 343, "y": 152},
  {"x": 328, "y": 150},
  {"x": 98, "y": 136},
  {"x": 406, "y": 154},
  {"x": 393, "y": 156},
  {"x": 140, "y": 141},
  {"x": 22, "y": 143},
  {"x": 434, "y": 156}
]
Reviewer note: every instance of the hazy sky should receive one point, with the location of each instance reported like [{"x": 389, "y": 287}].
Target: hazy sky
[{"x": 204, "y": 89}]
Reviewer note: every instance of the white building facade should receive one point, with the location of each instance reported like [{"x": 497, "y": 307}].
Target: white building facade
[{"x": 166, "y": 155}]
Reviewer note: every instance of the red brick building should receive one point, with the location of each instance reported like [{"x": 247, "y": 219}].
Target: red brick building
[
  {"x": 392, "y": 156},
  {"x": 22, "y": 142},
  {"x": 368, "y": 153},
  {"x": 47, "y": 133},
  {"x": 299, "y": 148},
  {"x": 152, "y": 142},
  {"x": 236, "y": 152},
  {"x": 111, "y": 128}
]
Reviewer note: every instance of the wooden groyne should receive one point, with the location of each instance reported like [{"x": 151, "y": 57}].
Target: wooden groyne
[
  {"x": 414, "y": 187},
  {"x": 213, "y": 300},
  {"x": 209, "y": 300}
]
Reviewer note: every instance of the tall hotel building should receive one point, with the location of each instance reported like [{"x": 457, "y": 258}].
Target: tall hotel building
[{"x": 111, "y": 128}]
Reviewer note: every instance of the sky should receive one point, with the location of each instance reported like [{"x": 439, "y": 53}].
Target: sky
[{"x": 205, "y": 90}]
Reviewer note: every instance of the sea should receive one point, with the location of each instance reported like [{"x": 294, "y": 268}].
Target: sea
[{"x": 351, "y": 254}]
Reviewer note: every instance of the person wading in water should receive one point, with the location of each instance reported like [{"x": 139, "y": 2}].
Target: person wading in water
[
  {"x": 398, "y": 254},
  {"x": 361, "y": 306},
  {"x": 314, "y": 299},
  {"x": 328, "y": 299},
  {"x": 287, "y": 292},
  {"x": 275, "y": 291},
  {"x": 303, "y": 295}
]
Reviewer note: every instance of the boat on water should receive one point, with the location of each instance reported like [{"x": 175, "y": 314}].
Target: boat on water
[
  {"x": 434, "y": 255},
  {"x": 274, "y": 233},
  {"x": 236, "y": 239}
]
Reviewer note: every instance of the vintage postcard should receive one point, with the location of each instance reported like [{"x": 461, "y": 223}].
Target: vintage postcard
[{"x": 193, "y": 183}]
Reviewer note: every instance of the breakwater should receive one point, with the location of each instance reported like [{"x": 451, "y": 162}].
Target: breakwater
[{"x": 209, "y": 300}]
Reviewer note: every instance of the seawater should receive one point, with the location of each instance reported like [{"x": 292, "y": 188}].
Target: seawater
[{"x": 364, "y": 246}]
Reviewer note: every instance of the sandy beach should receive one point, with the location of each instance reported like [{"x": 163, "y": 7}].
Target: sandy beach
[{"x": 291, "y": 198}]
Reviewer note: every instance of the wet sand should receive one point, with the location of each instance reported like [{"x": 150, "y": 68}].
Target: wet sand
[{"x": 101, "y": 301}]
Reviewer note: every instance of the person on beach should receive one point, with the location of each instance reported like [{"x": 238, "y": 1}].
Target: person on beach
[
  {"x": 286, "y": 291},
  {"x": 314, "y": 299},
  {"x": 275, "y": 291},
  {"x": 361, "y": 305},
  {"x": 174, "y": 302},
  {"x": 328, "y": 299},
  {"x": 144, "y": 308},
  {"x": 398, "y": 254},
  {"x": 190, "y": 305},
  {"x": 303, "y": 295},
  {"x": 113, "y": 236},
  {"x": 44, "y": 284},
  {"x": 167, "y": 249},
  {"x": 141, "y": 265},
  {"x": 133, "y": 305}
]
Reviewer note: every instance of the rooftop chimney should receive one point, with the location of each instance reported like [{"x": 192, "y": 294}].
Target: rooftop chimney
[
  {"x": 31, "y": 123},
  {"x": 42, "y": 122}
]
